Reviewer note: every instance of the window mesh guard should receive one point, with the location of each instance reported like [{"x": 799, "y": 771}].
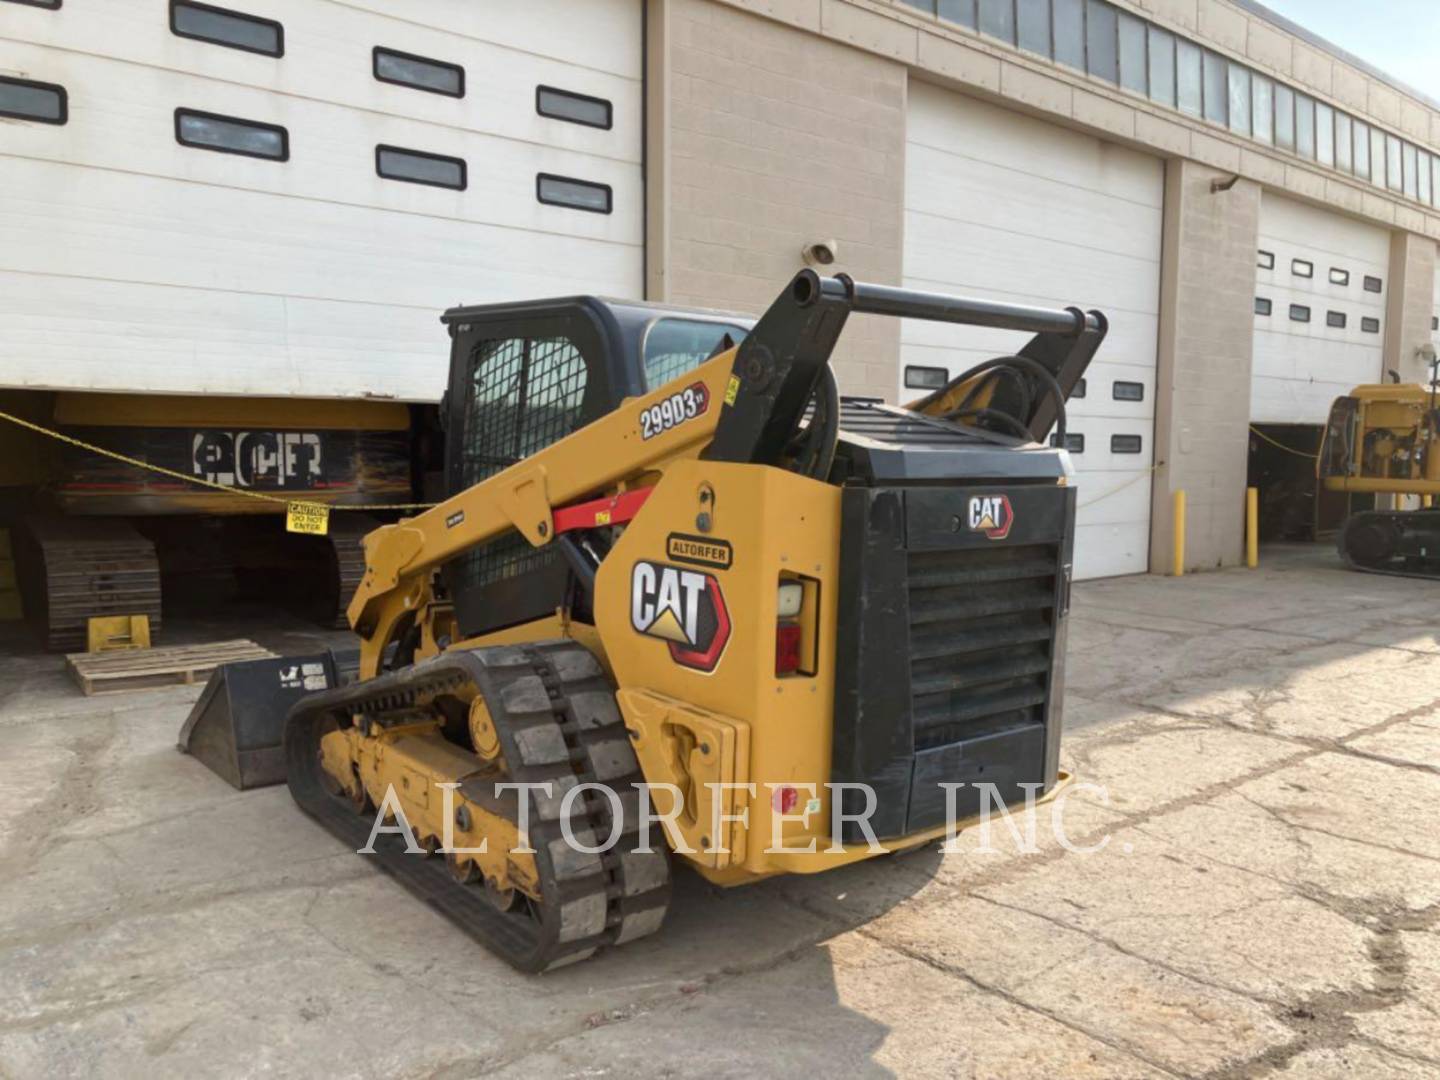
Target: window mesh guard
[{"x": 524, "y": 394}]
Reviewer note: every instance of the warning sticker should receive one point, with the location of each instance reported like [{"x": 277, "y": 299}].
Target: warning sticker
[{"x": 313, "y": 518}]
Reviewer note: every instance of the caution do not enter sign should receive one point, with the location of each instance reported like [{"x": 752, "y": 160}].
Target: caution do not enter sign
[{"x": 311, "y": 518}]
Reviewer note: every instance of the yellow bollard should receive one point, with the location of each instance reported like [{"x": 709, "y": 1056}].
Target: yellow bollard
[
  {"x": 1252, "y": 527},
  {"x": 1179, "y": 564}
]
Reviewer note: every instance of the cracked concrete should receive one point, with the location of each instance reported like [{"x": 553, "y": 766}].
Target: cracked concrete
[{"x": 1266, "y": 902}]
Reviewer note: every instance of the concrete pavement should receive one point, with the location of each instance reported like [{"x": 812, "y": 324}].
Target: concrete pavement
[{"x": 1267, "y": 902}]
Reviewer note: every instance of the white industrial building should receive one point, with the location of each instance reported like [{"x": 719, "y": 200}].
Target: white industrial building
[{"x": 277, "y": 198}]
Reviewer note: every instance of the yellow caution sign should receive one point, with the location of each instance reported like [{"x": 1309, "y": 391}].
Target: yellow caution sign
[
  {"x": 732, "y": 390},
  {"x": 313, "y": 518}
]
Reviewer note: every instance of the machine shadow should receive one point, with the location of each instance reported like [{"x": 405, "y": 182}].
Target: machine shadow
[{"x": 756, "y": 969}]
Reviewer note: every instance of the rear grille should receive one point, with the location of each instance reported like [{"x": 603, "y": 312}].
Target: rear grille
[{"x": 981, "y": 633}]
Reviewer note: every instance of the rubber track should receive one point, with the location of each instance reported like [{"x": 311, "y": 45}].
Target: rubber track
[
  {"x": 1349, "y": 561},
  {"x": 556, "y": 716},
  {"x": 347, "y": 540},
  {"x": 92, "y": 567}
]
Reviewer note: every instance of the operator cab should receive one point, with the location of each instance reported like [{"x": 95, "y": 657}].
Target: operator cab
[{"x": 525, "y": 375}]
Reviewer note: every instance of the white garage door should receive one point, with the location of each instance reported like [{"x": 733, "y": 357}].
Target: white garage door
[
  {"x": 1320, "y": 288},
  {"x": 1006, "y": 207},
  {"x": 129, "y": 261}
]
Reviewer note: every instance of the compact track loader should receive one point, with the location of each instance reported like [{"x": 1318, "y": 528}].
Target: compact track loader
[
  {"x": 673, "y": 555},
  {"x": 1385, "y": 440}
]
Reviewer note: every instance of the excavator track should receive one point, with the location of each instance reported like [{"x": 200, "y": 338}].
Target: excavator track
[
  {"x": 347, "y": 540},
  {"x": 1393, "y": 543},
  {"x": 85, "y": 567},
  {"x": 555, "y": 715}
]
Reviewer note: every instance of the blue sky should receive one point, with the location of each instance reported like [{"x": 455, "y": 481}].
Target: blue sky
[{"x": 1400, "y": 37}]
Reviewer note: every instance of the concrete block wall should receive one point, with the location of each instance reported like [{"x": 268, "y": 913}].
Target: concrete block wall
[
  {"x": 1207, "y": 298},
  {"x": 777, "y": 137},
  {"x": 1411, "y": 306}
]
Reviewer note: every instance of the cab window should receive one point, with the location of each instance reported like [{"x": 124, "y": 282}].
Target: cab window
[{"x": 675, "y": 346}]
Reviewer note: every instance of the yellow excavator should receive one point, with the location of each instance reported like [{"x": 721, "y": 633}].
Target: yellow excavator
[
  {"x": 1385, "y": 440},
  {"x": 817, "y": 628}
]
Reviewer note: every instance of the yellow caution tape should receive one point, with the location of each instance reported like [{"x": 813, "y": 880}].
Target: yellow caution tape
[
  {"x": 1281, "y": 446},
  {"x": 173, "y": 474},
  {"x": 1128, "y": 483}
]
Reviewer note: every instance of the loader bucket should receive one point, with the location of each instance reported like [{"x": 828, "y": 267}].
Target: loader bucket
[{"x": 236, "y": 725}]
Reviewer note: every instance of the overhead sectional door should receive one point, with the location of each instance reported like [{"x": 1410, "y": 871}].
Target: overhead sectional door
[
  {"x": 392, "y": 161},
  {"x": 1007, "y": 207},
  {"x": 1320, "y": 289}
]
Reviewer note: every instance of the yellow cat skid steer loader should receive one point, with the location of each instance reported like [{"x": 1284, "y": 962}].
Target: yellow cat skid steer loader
[{"x": 673, "y": 555}]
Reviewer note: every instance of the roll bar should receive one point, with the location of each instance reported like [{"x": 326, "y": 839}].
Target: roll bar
[{"x": 779, "y": 362}]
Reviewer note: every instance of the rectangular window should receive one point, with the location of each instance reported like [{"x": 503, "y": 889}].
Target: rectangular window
[
  {"x": 233, "y": 29},
  {"x": 1217, "y": 90},
  {"x": 1079, "y": 391},
  {"x": 576, "y": 194},
  {"x": 1074, "y": 442},
  {"x": 1262, "y": 96},
  {"x": 997, "y": 19},
  {"x": 1101, "y": 41},
  {"x": 1412, "y": 166},
  {"x": 419, "y": 167},
  {"x": 1324, "y": 134},
  {"x": 1133, "y": 61},
  {"x": 418, "y": 72},
  {"x": 925, "y": 378},
  {"x": 1339, "y": 277},
  {"x": 1127, "y": 391},
  {"x": 1362, "y": 149},
  {"x": 1299, "y": 313},
  {"x": 1305, "y": 126},
  {"x": 1374, "y": 284},
  {"x": 1284, "y": 117},
  {"x": 1370, "y": 325},
  {"x": 25, "y": 99},
  {"x": 927, "y": 6},
  {"x": 1126, "y": 444},
  {"x": 1377, "y": 158},
  {"x": 1070, "y": 33},
  {"x": 1188, "y": 63},
  {"x": 1239, "y": 100},
  {"x": 1302, "y": 268},
  {"x": 1265, "y": 260},
  {"x": 957, "y": 11},
  {"x": 1344, "y": 144},
  {"x": 231, "y": 135},
  {"x": 1263, "y": 306},
  {"x": 1435, "y": 322},
  {"x": 1032, "y": 25},
  {"x": 1394, "y": 177},
  {"x": 572, "y": 107},
  {"x": 1336, "y": 320},
  {"x": 1425, "y": 171},
  {"x": 1162, "y": 66}
]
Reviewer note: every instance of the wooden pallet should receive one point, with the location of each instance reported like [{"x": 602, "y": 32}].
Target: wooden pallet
[{"x": 138, "y": 669}]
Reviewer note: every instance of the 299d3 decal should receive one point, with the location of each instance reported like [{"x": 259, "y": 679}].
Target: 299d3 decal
[{"x": 675, "y": 409}]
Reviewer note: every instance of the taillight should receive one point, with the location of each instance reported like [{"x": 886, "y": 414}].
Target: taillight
[
  {"x": 788, "y": 634},
  {"x": 787, "y": 648}
]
